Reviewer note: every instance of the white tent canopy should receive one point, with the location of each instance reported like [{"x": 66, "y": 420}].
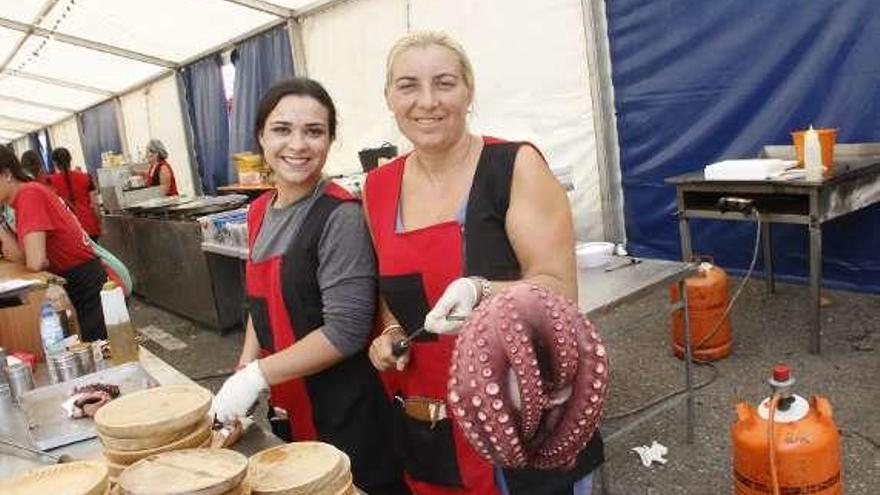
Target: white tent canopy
[
  {"x": 541, "y": 71},
  {"x": 58, "y": 57}
]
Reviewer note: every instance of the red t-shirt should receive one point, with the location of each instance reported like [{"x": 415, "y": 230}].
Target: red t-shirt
[
  {"x": 38, "y": 208},
  {"x": 79, "y": 199}
]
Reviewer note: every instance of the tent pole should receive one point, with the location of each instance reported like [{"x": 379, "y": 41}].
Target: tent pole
[
  {"x": 195, "y": 177},
  {"x": 297, "y": 47},
  {"x": 604, "y": 121}
]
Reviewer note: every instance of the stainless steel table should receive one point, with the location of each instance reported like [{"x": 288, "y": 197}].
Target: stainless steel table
[
  {"x": 13, "y": 426},
  {"x": 854, "y": 185},
  {"x": 600, "y": 291}
]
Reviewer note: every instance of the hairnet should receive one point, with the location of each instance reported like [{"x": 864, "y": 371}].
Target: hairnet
[{"x": 157, "y": 147}]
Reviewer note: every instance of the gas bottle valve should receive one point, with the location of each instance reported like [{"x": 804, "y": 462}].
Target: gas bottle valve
[{"x": 781, "y": 382}]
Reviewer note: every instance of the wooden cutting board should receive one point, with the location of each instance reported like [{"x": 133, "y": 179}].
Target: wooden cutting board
[
  {"x": 196, "y": 438},
  {"x": 185, "y": 472},
  {"x": 74, "y": 478},
  {"x": 153, "y": 412},
  {"x": 299, "y": 468}
]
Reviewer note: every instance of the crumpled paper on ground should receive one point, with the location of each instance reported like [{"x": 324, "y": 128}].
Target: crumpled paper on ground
[{"x": 651, "y": 454}]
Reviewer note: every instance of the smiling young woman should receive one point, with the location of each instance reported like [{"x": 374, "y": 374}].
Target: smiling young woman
[
  {"x": 294, "y": 141},
  {"x": 311, "y": 287}
]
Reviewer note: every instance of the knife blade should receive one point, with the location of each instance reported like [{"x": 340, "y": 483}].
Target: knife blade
[{"x": 400, "y": 347}]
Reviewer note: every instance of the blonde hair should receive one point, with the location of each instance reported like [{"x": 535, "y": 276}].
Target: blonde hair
[{"x": 422, "y": 39}]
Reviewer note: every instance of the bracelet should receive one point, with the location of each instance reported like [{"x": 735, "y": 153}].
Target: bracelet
[
  {"x": 389, "y": 328},
  {"x": 485, "y": 288}
]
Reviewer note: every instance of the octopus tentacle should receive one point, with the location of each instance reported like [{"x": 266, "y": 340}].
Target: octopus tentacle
[{"x": 528, "y": 379}]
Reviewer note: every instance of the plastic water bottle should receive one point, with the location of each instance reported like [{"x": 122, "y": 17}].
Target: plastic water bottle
[
  {"x": 51, "y": 332},
  {"x": 812, "y": 155}
]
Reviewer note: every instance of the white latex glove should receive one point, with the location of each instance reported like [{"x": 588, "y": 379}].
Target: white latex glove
[
  {"x": 457, "y": 300},
  {"x": 239, "y": 393}
]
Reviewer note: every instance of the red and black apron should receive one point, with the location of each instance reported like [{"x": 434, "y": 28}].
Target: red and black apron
[
  {"x": 344, "y": 405},
  {"x": 415, "y": 267}
]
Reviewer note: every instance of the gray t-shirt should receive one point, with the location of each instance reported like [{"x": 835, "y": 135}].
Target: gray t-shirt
[{"x": 346, "y": 266}]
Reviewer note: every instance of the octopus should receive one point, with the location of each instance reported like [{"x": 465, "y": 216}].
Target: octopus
[
  {"x": 87, "y": 399},
  {"x": 528, "y": 379}
]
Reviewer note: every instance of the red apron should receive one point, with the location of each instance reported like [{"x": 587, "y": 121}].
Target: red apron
[
  {"x": 343, "y": 405},
  {"x": 263, "y": 287},
  {"x": 422, "y": 263}
]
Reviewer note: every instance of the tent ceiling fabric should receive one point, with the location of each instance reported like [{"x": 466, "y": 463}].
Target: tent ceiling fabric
[
  {"x": 82, "y": 66},
  {"x": 9, "y": 135},
  {"x": 22, "y": 10},
  {"x": 168, "y": 29},
  {"x": 47, "y": 94},
  {"x": 30, "y": 112},
  {"x": 16, "y": 125},
  {"x": 67, "y": 55},
  {"x": 9, "y": 39}
]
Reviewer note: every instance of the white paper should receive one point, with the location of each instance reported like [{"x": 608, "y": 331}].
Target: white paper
[{"x": 754, "y": 169}]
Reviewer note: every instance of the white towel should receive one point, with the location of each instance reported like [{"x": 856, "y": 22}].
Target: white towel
[{"x": 756, "y": 169}]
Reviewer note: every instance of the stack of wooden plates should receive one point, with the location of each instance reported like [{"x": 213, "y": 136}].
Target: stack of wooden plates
[
  {"x": 301, "y": 468},
  {"x": 191, "y": 471},
  {"x": 74, "y": 478},
  {"x": 153, "y": 421}
]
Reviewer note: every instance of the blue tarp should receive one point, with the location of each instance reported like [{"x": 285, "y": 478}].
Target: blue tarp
[
  {"x": 697, "y": 82},
  {"x": 262, "y": 61},
  {"x": 206, "y": 104},
  {"x": 99, "y": 133}
]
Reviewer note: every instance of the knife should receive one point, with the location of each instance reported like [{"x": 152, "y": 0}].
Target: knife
[{"x": 400, "y": 347}]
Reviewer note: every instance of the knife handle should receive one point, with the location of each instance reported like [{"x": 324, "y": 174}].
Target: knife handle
[{"x": 400, "y": 347}]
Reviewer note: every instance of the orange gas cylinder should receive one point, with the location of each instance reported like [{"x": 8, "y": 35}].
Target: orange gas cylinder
[
  {"x": 805, "y": 447},
  {"x": 707, "y": 299}
]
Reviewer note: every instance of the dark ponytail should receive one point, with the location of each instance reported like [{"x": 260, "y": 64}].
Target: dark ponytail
[
  {"x": 8, "y": 161},
  {"x": 61, "y": 157}
]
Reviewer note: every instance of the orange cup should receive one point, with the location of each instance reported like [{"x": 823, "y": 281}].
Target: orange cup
[{"x": 827, "y": 138}]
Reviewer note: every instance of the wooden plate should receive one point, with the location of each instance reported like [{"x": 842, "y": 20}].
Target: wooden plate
[
  {"x": 196, "y": 438},
  {"x": 242, "y": 489},
  {"x": 191, "y": 472},
  {"x": 299, "y": 467},
  {"x": 154, "y": 411},
  {"x": 74, "y": 478},
  {"x": 115, "y": 469},
  {"x": 131, "y": 444}
]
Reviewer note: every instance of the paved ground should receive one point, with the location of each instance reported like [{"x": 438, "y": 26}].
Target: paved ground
[{"x": 767, "y": 330}]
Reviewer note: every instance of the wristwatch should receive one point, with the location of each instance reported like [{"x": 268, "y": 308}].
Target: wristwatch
[{"x": 484, "y": 288}]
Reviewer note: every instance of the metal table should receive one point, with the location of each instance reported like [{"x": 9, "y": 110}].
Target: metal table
[
  {"x": 600, "y": 291},
  {"x": 13, "y": 426},
  {"x": 854, "y": 185}
]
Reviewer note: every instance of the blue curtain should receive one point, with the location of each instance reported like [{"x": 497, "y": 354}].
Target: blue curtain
[
  {"x": 206, "y": 103},
  {"x": 99, "y": 133},
  {"x": 262, "y": 61},
  {"x": 697, "y": 82},
  {"x": 45, "y": 152},
  {"x": 34, "y": 142}
]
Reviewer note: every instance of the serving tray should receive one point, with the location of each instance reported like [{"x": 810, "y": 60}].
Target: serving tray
[{"x": 49, "y": 426}]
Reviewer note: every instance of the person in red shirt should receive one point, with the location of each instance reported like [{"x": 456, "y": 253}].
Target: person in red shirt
[
  {"x": 160, "y": 172},
  {"x": 47, "y": 236},
  {"x": 77, "y": 190},
  {"x": 33, "y": 165}
]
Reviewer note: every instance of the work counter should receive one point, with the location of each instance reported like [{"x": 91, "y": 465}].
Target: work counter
[
  {"x": 170, "y": 269},
  {"x": 14, "y": 428}
]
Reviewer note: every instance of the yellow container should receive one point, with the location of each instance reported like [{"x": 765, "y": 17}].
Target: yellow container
[{"x": 248, "y": 162}]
